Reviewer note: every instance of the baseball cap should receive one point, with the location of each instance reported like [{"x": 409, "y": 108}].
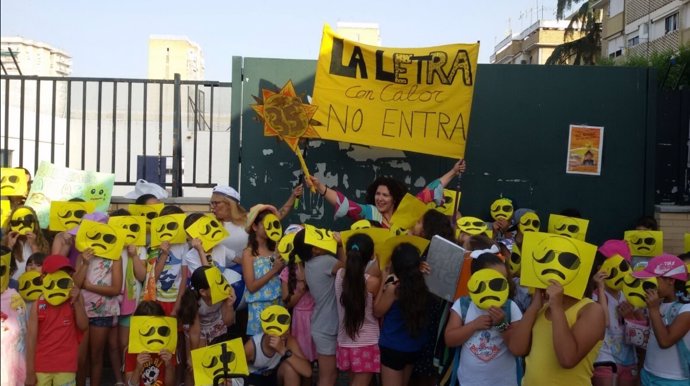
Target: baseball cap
[
  {"x": 616, "y": 247},
  {"x": 227, "y": 191},
  {"x": 54, "y": 263},
  {"x": 665, "y": 265},
  {"x": 95, "y": 216}
]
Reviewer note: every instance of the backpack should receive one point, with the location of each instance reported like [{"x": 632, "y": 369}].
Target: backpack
[
  {"x": 464, "y": 306},
  {"x": 683, "y": 352}
]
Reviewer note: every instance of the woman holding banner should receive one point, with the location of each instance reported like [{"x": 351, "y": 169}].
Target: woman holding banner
[{"x": 383, "y": 196}]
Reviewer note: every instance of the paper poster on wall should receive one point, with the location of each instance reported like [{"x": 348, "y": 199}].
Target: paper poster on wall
[{"x": 585, "y": 145}]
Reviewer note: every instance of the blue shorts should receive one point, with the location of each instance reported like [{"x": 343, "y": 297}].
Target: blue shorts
[
  {"x": 103, "y": 321},
  {"x": 649, "y": 379}
]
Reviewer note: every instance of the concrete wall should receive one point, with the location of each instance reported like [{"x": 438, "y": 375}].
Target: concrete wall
[{"x": 674, "y": 221}]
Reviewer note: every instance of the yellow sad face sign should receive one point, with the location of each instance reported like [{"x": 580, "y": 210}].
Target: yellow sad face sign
[
  {"x": 30, "y": 285},
  {"x": 65, "y": 215},
  {"x": 13, "y": 182},
  {"x": 451, "y": 199},
  {"x": 275, "y": 320},
  {"x": 361, "y": 224},
  {"x": 285, "y": 247},
  {"x": 23, "y": 221},
  {"x": 645, "y": 243},
  {"x": 488, "y": 288},
  {"x": 273, "y": 227},
  {"x": 102, "y": 238},
  {"x": 635, "y": 290},
  {"x": 5, "y": 210},
  {"x": 151, "y": 334},
  {"x": 515, "y": 260},
  {"x": 502, "y": 209},
  {"x": 168, "y": 228},
  {"x": 529, "y": 222},
  {"x": 209, "y": 230},
  {"x": 616, "y": 269},
  {"x": 471, "y": 225},
  {"x": 147, "y": 211},
  {"x": 408, "y": 212},
  {"x": 218, "y": 285},
  {"x": 219, "y": 361},
  {"x": 386, "y": 251},
  {"x": 320, "y": 238},
  {"x": 547, "y": 257},
  {"x": 5, "y": 260},
  {"x": 56, "y": 287},
  {"x": 687, "y": 283},
  {"x": 132, "y": 229},
  {"x": 568, "y": 226}
]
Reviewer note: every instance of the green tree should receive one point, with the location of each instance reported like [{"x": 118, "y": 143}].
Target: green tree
[{"x": 587, "y": 48}]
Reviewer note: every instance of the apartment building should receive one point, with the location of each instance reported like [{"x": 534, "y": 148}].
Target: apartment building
[
  {"x": 533, "y": 45},
  {"x": 175, "y": 54}
]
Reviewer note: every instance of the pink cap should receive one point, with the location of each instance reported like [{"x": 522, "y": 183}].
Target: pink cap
[
  {"x": 616, "y": 247},
  {"x": 665, "y": 265}
]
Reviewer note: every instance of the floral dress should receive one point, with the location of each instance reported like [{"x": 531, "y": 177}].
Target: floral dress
[
  {"x": 100, "y": 273},
  {"x": 266, "y": 296}
]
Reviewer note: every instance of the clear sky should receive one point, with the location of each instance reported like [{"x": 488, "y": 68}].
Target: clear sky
[{"x": 109, "y": 38}]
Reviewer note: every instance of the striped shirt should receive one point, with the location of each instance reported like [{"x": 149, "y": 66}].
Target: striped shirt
[{"x": 369, "y": 332}]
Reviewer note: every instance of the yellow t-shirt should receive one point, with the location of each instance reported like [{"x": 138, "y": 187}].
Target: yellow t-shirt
[{"x": 542, "y": 367}]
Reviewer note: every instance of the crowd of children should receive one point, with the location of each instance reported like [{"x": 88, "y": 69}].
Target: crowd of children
[{"x": 350, "y": 314}]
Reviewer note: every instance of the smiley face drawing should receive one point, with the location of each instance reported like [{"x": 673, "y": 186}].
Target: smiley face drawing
[
  {"x": 95, "y": 194},
  {"x": 219, "y": 361},
  {"x": 5, "y": 261},
  {"x": 23, "y": 221},
  {"x": 218, "y": 284},
  {"x": 285, "y": 247},
  {"x": 152, "y": 334},
  {"x": 56, "y": 287},
  {"x": 13, "y": 182},
  {"x": 502, "y": 209},
  {"x": 449, "y": 205},
  {"x": 102, "y": 238},
  {"x": 209, "y": 230},
  {"x": 616, "y": 268},
  {"x": 273, "y": 227},
  {"x": 514, "y": 262},
  {"x": 645, "y": 243},
  {"x": 30, "y": 285},
  {"x": 556, "y": 258},
  {"x": 471, "y": 225},
  {"x": 65, "y": 215},
  {"x": 568, "y": 226},
  {"x": 275, "y": 320},
  {"x": 635, "y": 290},
  {"x": 132, "y": 229},
  {"x": 529, "y": 222},
  {"x": 488, "y": 288},
  {"x": 168, "y": 228}
]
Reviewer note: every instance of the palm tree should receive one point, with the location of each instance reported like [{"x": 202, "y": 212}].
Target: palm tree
[{"x": 586, "y": 49}]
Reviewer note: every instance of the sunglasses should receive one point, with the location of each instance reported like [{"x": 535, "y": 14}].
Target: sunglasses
[
  {"x": 63, "y": 283},
  {"x": 132, "y": 227},
  {"x": 26, "y": 221},
  {"x": 494, "y": 284},
  {"x": 646, "y": 241},
  {"x": 162, "y": 331},
  {"x": 570, "y": 228},
  {"x": 533, "y": 223},
  {"x": 77, "y": 213},
  {"x": 12, "y": 179},
  {"x": 505, "y": 208},
  {"x": 213, "y": 204},
  {"x": 566, "y": 259},
  {"x": 282, "y": 319},
  {"x": 171, "y": 226}
]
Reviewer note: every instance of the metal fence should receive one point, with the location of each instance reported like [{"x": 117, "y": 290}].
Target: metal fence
[{"x": 178, "y": 128}]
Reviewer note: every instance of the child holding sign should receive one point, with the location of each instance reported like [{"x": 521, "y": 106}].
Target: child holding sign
[{"x": 144, "y": 369}]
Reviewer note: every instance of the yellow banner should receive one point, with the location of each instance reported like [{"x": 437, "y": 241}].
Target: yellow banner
[{"x": 416, "y": 99}]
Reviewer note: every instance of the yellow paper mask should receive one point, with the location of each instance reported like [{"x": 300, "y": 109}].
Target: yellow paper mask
[
  {"x": 168, "y": 228},
  {"x": 151, "y": 334},
  {"x": 449, "y": 206},
  {"x": 616, "y": 268},
  {"x": 285, "y": 247},
  {"x": 56, "y": 287},
  {"x": 209, "y": 230},
  {"x": 548, "y": 257},
  {"x": 635, "y": 290},
  {"x": 397, "y": 230},
  {"x": 102, "y": 238},
  {"x": 378, "y": 236},
  {"x": 392, "y": 242},
  {"x": 273, "y": 227},
  {"x": 219, "y": 361},
  {"x": 132, "y": 229},
  {"x": 23, "y": 221},
  {"x": 488, "y": 288},
  {"x": 645, "y": 243},
  {"x": 218, "y": 285},
  {"x": 568, "y": 226},
  {"x": 275, "y": 320},
  {"x": 13, "y": 182},
  {"x": 408, "y": 212},
  {"x": 471, "y": 225},
  {"x": 686, "y": 243},
  {"x": 529, "y": 222},
  {"x": 30, "y": 285},
  {"x": 5, "y": 261},
  {"x": 361, "y": 224},
  {"x": 65, "y": 215},
  {"x": 148, "y": 211},
  {"x": 515, "y": 259},
  {"x": 320, "y": 238},
  {"x": 502, "y": 209},
  {"x": 5, "y": 210}
]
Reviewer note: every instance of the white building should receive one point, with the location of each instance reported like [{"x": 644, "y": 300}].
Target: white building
[
  {"x": 366, "y": 33},
  {"x": 33, "y": 58}
]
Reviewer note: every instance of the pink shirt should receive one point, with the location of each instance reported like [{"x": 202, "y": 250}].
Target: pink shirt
[
  {"x": 369, "y": 332},
  {"x": 12, "y": 333},
  {"x": 306, "y": 302}
]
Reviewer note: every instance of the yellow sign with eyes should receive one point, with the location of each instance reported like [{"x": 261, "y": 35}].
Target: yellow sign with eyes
[
  {"x": 209, "y": 230},
  {"x": 515, "y": 260},
  {"x": 392, "y": 242},
  {"x": 635, "y": 290},
  {"x": 168, "y": 228},
  {"x": 5, "y": 261},
  {"x": 378, "y": 236},
  {"x": 275, "y": 320},
  {"x": 529, "y": 222},
  {"x": 132, "y": 229},
  {"x": 151, "y": 334},
  {"x": 285, "y": 247},
  {"x": 451, "y": 200},
  {"x": 65, "y": 215},
  {"x": 645, "y": 243},
  {"x": 273, "y": 227},
  {"x": 471, "y": 225},
  {"x": 57, "y": 287},
  {"x": 102, "y": 238},
  {"x": 616, "y": 268},
  {"x": 147, "y": 211},
  {"x": 568, "y": 226},
  {"x": 488, "y": 288},
  {"x": 361, "y": 224},
  {"x": 23, "y": 221},
  {"x": 5, "y": 210},
  {"x": 502, "y": 209},
  {"x": 218, "y": 285},
  {"x": 220, "y": 361},
  {"x": 13, "y": 182},
  {"x": 320, "y": 238},
  {"x": 547, "y": 257},
  {"x": 408, "y": 212},
  {"x": 30, "y": 285}
]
